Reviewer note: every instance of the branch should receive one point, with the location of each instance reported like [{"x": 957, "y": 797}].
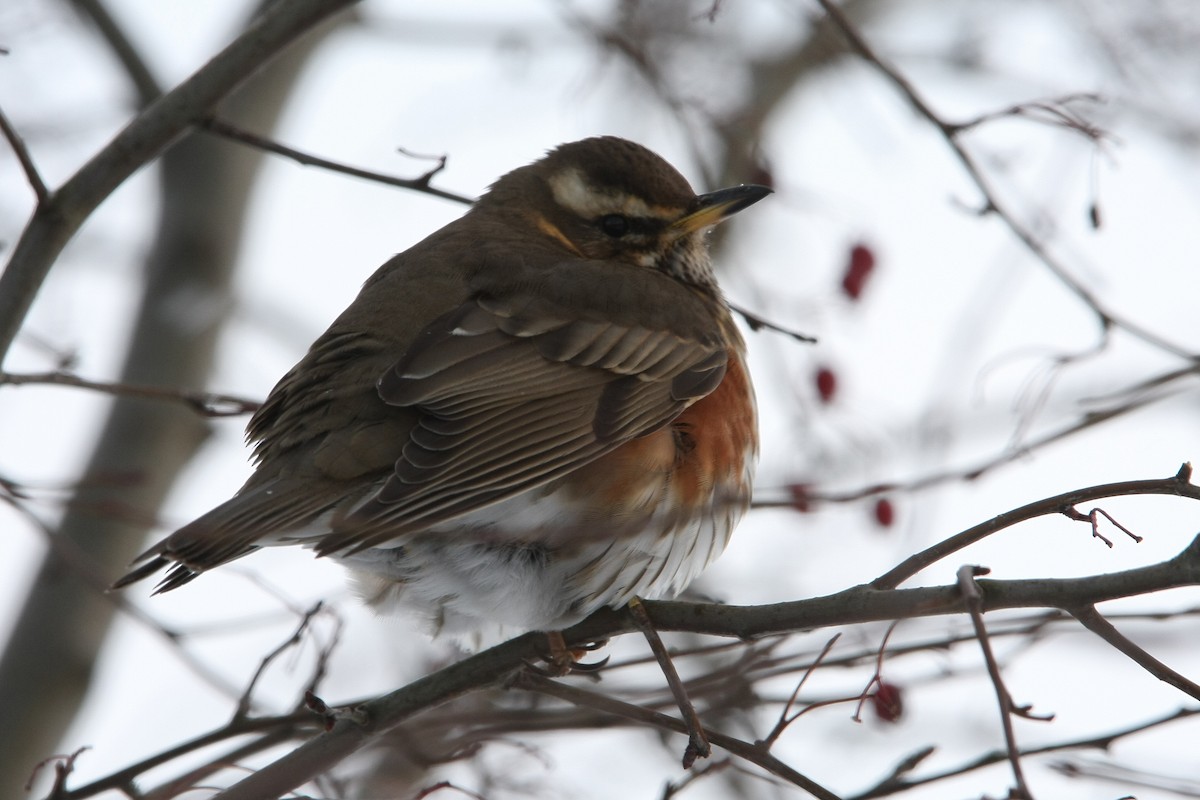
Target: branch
[
  {"x": 1179, "y": 485},
  {"x": 754, "y": 753},
  {"x": 758, "y": 323},
  {"x": 1089, "y": 420},
  {"x": 25, "y": 157},
  {"x": 973, "y": 598},
  {"x": 498, "y": 665},
  {"x": 114, "y": 36},
  {"x": 62, "y": 212},
  {"x": 895, "y": 784},
  {"x": 225, "y": 130},
  {"x": 950, "y": 132},
  {"x": 1091, "y": 619},
  {"x": 206, "y": 404}
]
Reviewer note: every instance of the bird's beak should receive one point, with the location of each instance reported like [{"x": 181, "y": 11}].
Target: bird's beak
[{"x": 716, "y": 206}]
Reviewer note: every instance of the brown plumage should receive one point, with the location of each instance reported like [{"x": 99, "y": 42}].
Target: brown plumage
[{"x": 538, "y": 410}]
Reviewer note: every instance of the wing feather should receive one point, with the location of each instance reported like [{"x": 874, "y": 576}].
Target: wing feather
[{"x": 514, "y": 395}]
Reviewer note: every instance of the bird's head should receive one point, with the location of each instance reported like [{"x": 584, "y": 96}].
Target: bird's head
[{"x": 607, "y": 198}]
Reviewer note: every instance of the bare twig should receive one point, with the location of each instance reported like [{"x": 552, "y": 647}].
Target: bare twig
[
  {"x": 136, "y": 68},
  {"x": 1180, "y": 484},
  {"x": 754, "y": 753},
  {"x": 244, "y": 702},
  {"x": 1126, "y": 777},
  {"x": 896, "y": 785},
  {"x": 225, "y": 130},
  {"x": 494, "y": 666},
  {"x": 59, "y": 217},
  {"x": 82, "y": 565},
  {"x": 697, "y": 746},
  {"x": 1089, "y": 420},
  {"x": 40, "y": 191},
  {"x": 64, "y": 765},
  {"x": 273, "y": 729},
  {"x": 190, "y": 780},
  {"x": 973, "y": 599},
  {"x": 206, "y": 404},
  {"x": 757, "y": 323},
  {"x": 1054, "y": 111},
  {"x": 1093, "y": 517},
  {"x": 675, "y": 788},
  {"x": 1095, "y": 622},
  {"x": 877, "y": 675},
  {"x": 951, "y": 132},
  {"x": 785, "y": 719}
]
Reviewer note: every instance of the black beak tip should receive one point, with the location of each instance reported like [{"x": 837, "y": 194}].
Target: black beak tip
[
  {"x": 753, "y": 192},
  {"x": 735, "y": 198}
]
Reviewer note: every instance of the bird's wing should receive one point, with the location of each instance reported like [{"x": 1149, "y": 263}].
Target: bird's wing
[
  {"x": 514, "y": 392},
  {"x": 510, "y": 390}
]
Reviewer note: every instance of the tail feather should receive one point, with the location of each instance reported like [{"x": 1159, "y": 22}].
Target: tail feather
[
  {"x": 252, "y": 519},
  {"x": 141, "y": 573}
]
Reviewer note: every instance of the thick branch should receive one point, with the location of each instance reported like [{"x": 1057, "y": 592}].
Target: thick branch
[
  {"x": 55, "y": 221},
  {"x": 860, "y": 604}
]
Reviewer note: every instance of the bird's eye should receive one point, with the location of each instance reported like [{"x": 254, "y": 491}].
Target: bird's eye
[{"x": 614, "y": 225}]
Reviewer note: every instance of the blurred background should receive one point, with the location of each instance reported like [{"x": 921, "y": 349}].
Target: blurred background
[{"x": 961, "y": 371}]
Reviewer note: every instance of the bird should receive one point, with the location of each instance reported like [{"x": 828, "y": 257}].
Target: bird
[{"x": 540, "y": 410}]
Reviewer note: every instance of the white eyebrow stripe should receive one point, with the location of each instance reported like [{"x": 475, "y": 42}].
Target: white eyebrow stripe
[{"x": 572, "y": 191}]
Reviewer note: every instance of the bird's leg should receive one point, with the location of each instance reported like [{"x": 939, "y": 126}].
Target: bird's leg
[
  {"x": 562, "y": 659},
  {"x": 698, "y": 746}
]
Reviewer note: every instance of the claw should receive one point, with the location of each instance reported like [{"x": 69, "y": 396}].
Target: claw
[
  {"x": 594, "y": 666},
  {"x": 563, "y": 660}
]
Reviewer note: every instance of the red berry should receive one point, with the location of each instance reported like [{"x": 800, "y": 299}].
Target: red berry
[
  {"x": 858, "y": 269},
  {"x": 885, "y": 512},
  {"x": 826, "y": 384},
  {"x": 800, "y": 497},
  {"x": 888, "y": 702}
]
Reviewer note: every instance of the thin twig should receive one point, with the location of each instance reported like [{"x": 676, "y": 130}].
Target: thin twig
[
  {"x": 877, "y": 675},
  {"x": 244, "y": 702},
  {"x": 189, "y": 780},
  {"x": 861, "y": 604},
  {"x": 225, "y": 130},
  {"x": 57, "y": 220},
  {"x": 1125, "y": 777},
  {"x": 64, "y": 765},
  {"x": 278, "y": 729},
  {"x": 1105, "y": 741},
  {"x": 1054, "y": 111},
  {"x": 127, "y": 53},
  {"x": 1179, "y": 484},
  {"x": 969, "y": 473},
  {"x": 40, "y": 190},
  {"x": 973, "y": 599},
  {"x": 757, "y": 323},
  {"x": 83, "y": 567},
  {"x": 1095, "y": 622},
  {"x": 785, "y": 720},
  {"x": 755, "y": 754},
  {"x": 697, "y": 746},
  {"x": 992, "y": 205},
  {"x": 206, "y": 404}
]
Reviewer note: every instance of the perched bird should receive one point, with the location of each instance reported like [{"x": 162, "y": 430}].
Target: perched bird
[{"x": 539, "y": 410}]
